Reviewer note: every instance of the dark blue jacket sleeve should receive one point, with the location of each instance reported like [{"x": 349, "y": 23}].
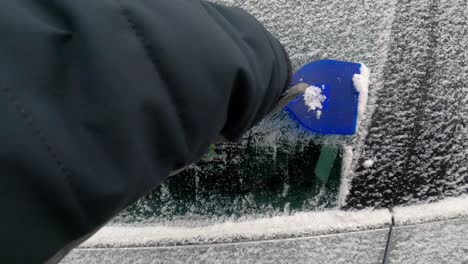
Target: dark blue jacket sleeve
[{"x": 100, "y": 100}]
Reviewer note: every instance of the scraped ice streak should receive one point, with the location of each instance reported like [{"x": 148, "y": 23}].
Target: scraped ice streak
[
  {"x": 346, "y": 175},
  {"x": 314, "y": 98},
  {"x": 361, "y": 83}
]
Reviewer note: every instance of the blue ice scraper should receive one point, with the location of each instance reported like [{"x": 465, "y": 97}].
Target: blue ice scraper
[{"x": 339, "y": 110}]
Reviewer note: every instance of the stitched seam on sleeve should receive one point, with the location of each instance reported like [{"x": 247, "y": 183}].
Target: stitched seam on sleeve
[
  {"x": 125, "y": 12},
  {"x": 216, "y": 17},
  {"x": 27, "y": 117},
  {"x": 133, "y": 26}
]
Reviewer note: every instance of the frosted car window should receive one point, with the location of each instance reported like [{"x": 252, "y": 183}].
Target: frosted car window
[{"x": 246, "y": 180}]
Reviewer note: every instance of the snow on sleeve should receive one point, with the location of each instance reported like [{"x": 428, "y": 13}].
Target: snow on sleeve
[
  {"x": 361, "y": 83},
  {"x": 314, "y": 98}
]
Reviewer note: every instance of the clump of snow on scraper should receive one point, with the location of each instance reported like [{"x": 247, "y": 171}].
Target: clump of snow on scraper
[
  {"x": 361, "y": 84},
  {"x": 314, "y": 98}
]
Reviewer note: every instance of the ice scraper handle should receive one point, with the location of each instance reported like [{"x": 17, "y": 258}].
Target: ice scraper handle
[{"x": 290, "y": 94}]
